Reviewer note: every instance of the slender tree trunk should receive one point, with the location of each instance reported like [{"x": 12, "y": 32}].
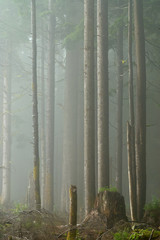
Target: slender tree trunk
[
  {"x": 69, "y": 168},
  {"x": 103, "y": 94},
  {"x": 89, "y": 106},
  {"x": 50, "y": 111},
  {"x": 120, "y": 99},
  {"x": 42, "y": 131},
  {"x": 131, "y": 126},
  {"x": 6, "y": 121},
  {"x": 80, "y": 133},
  {"x": 36, "y": 171},
  {"x": 140, "y": 139}
]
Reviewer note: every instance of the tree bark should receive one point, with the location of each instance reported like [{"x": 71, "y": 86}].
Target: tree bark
[
  {"x": 36, "y": 171},
  {"x": 140, "y": 139},
  {"x": 102, "y": 94},
  {"x": 6, "y": 130},
  {"x": 70, "y": 123},
  {"x": 71, "y": 94},
  {"x": 131, "y": 174},
  {"x": 120, "y": 99},
  {"x": 80, "y": 133},
  {"x": 42, "y": 131},
  {"x": 89, "y": 106},
  {"x": 50, "y": 111},
  {"x": 131, "y": 126}
]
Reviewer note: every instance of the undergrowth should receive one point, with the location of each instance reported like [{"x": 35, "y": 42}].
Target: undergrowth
[
  {"x": 122, "y": 235},
  {"x": 144, "y": 234},
  {"x": 136, "y": 234},
  {"x": 153, "y": 205}
]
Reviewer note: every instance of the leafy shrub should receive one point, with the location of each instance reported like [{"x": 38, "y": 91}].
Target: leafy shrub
[
  {"x": 122, "y": 235},
  {"x": 143, "y": 234},
  {"x": 152, "y": 211}
]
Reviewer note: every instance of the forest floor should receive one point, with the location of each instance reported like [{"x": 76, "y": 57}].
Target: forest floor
[{"x": 35, "y": 225}]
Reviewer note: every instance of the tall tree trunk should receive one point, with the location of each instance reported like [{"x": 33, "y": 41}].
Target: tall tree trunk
[
  {"x": 80, "y": 132},
  {"x": 140, "y": 140},
  {"x": 131, "y": 126},
  {"x": 50, "y": 111},
  {"x": 42, "y": 131},
  {"x": 70, "y": 123},
  {"x": 36, "y": 171},
  {"x": 70, "y": 147},
  {"x": 6, "y": 121},
  {"x": 89, "y": 106},
  {"x": 120, "y": 98},
  {"x": 103, "y": 94}
]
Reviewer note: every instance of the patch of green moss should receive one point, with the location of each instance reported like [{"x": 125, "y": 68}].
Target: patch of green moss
[{"x": 111, "y": 189}]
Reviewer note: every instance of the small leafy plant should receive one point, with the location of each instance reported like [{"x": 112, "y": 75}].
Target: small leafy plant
[{"x": 19, "y": 207}]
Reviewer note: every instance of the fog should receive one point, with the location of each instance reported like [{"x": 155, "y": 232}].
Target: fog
[{"x": 67, "y": 102}]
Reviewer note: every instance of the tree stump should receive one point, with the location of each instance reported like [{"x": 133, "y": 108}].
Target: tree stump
[
  {"x": 73, "y": 213},
  {"x": 112, "y": 205}
]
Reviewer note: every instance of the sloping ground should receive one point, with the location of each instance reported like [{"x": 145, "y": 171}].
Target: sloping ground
[{"x": 35, "y": 225}]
